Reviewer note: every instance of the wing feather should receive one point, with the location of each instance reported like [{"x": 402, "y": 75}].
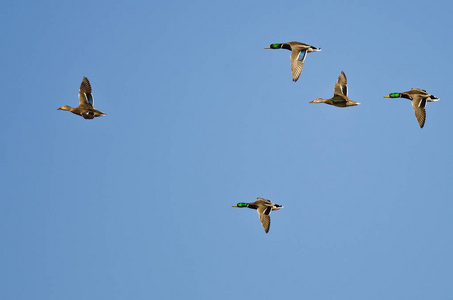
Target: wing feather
[
  {"x": 263, "y": 213},
  {"x": 297, "y": 63},
  {"x": 419, "y": 109},
  {"x": 341, "y": 86},
  {"x": 85, "y": 96}
]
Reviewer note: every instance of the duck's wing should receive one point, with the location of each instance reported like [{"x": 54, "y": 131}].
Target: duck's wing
[
  {"x": 419, "y": 90},
  {"x": 341, "y": 86},
  {"x": 85, "y": 96},
  {"x": 262, "y": 200},
  {"x": 419, "y": 104},
  {"x": 263, "y": 213},
  {"x": 297, "y": 62}
]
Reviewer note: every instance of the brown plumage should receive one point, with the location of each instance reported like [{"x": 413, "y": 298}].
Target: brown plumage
[
  {"x": 298, "y": 54},
  {"x": 264, "y": 208},
  {"x": 419, "y": 98},
  {"x": 85, "y": 108},
  {"x": 340, "y": 94}
]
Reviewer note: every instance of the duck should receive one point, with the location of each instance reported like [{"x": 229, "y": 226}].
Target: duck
[
  {"x": 340, "y": 94},
  {"x": 298, "y": 54},
  {"x": 419, "y": 98},
  {"x": 264, "y": 208},
  {"x": 85, "y": 108}
]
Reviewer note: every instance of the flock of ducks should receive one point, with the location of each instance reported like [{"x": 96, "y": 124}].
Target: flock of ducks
[
  {"x": 299, "y": 52},
  {"x": 340, "y": 98}
]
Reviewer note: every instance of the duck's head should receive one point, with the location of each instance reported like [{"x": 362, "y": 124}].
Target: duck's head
[
  {"x": 393, "y": 95},
  {"x": 317, "y": 100},
  {"x": 241, "y": 204},
  {"x": 65, "y": 107},
  {"x": 274, "y": 46}
]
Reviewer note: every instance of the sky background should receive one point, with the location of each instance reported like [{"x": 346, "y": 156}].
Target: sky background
[{"x": 137, "y": 204}]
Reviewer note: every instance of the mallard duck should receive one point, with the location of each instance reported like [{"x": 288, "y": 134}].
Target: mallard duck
[
  {"x": 340, "y": 94},
  {"x": 298, "y": 53},
  {"x": 85, "y": 108},
  {"x": 419, "y": 98},
  {"x": 264, "y": 208}
]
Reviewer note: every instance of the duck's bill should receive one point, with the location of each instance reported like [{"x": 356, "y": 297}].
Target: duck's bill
[{"x": 268, "y": 47}]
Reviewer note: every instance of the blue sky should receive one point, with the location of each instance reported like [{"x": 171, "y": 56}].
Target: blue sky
[{"x": 137, "y": 204}]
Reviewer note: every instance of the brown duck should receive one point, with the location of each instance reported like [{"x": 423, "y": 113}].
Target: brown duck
[
  {"x": 340, "y": 94},
  {"x": 85, "y": 108}
]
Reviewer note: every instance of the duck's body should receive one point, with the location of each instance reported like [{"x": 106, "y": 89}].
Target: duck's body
[
  {"x": 298, "y": 54},
  {"x": 85, "y": 111},
  {"x": 264, "y": 208},
  {"x": 340, "y": 94},
  {"x": 85, "y": 108},
  {"x": 419, "y": 98}
]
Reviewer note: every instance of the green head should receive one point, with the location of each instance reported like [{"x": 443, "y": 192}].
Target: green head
[
  {"x": 393, "y": 95},
  {"x": 241, "y": 204},
  {"x": 274, "y": 46}
]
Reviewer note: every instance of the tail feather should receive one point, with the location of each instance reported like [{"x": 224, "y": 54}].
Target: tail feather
[{"x": 433, "y": 98}]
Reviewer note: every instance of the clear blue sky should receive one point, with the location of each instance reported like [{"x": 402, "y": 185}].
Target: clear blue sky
[{"x": 137, "y": 204}]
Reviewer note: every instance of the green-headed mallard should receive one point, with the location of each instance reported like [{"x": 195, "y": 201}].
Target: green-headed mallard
[
  {"x": 419, "y": 98},
  {"x": 340, "y": 94},
  {"x": 85, "y": 108},
  {"x": 298, "y": 53},
  {"x": 264, "y": 208}
]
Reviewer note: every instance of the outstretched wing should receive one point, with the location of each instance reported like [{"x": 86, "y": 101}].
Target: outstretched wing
[
  {"x": 85, "y": 96},
  {"x": 341, "y": 87},
  {"x": 297, "y": 63},
  {"x": 419, "y": 109},
  {"x": 263, "y": 213}
]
